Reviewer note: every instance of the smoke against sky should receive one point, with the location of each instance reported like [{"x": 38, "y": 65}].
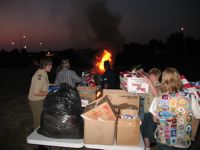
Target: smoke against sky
[{"x": 60, "y": 24}]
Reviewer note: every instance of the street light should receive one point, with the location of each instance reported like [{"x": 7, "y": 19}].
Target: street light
[
  {"x": 184, "y": 48},
  {"x": 12, "y": 45},
  {"x": 20, "y": 42}
]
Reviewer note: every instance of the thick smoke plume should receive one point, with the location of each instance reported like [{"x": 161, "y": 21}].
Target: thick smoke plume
[{"x": 105, "y": 26}]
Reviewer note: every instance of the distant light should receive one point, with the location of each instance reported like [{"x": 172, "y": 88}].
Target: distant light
[
  {"x": 24, "y": 36},
  {"x": 49, "y": 54},
  {"x": 41, "y": 43},
  {"x": 182, "y": 29},
  {"x": 13, "y": 43},
  {"x": 25, "y": 46}
]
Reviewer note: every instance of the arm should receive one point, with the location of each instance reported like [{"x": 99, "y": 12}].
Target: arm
[
  {"x": 195, "y": 108},
  {"x": 152, "y": 110},
  {"x": 40, "y": 93},
  {"x": 151, "y": 85}
]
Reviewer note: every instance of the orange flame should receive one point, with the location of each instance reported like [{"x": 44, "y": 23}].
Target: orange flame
[
  {"x": 98, "y": 94},
  {"x": 100, "y": 61}
]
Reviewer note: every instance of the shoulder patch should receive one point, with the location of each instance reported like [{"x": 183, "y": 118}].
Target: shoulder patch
[{"x": 39, "y": 77}]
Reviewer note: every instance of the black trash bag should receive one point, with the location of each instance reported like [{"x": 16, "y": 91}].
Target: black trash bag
[{"x": 61, "y": 112}]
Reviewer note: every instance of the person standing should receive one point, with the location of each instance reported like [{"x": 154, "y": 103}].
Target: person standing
[
  {"x": 108, "y": 79},
  {"x": 173, "y": 111},
  {"x": 65, "y": 75},
  {"x": 148, "y": 125},
  {"x": 39, "y": 89}
]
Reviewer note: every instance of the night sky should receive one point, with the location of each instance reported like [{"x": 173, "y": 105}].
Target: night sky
[{"x": 61, "y": 24}]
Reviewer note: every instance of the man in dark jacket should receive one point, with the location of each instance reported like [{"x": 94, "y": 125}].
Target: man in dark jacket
[{"x": 108, "y": 79}]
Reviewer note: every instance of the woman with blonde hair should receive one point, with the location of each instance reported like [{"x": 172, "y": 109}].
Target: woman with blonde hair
[{"x": 173, "y": 110}]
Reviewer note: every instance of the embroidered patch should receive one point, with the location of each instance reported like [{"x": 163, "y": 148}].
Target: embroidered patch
[
  {"x": 173, "y": 103},
  {"x": 181, "y": 127},
  {"x": 163, "y": 102},
  {"x": 39, "y": 77},
  {"x": 189, "y": 117},
  {"x": 165, "y": 97},
  {"x": 182, "y": 102},
  {"x": 165, "y": 108},
  {"x": 173, "y": 132},
  {"x": 164, "y": 114},
  {"x": 180, "y": 134},
  {"x": 173, "y": 94},
  {"x": 173, "y": 140},
  {"x": 188, "y": 128},
  {"x": 180, "y": 111},
  {"x": 181, "y": 121}
]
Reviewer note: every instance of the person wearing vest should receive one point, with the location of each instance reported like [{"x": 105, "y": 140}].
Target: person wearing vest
[{"x": 173, "y": 110}]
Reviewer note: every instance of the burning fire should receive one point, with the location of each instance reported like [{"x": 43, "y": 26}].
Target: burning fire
[
  {"x": 100, "y": 60},
  {"x": 98, "y": 94}
]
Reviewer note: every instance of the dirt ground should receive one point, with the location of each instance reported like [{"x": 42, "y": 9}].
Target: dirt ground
[{"x": 15, "y": 115}]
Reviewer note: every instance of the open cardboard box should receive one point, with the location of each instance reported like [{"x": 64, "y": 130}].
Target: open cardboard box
[
  {"x": 118, "y": 97},
  {"x": 99, "y": 122},
  {"x": 128, "y": 125},
  {"x": 88, "y": 92},
  {"x": 100, "y": 109}
]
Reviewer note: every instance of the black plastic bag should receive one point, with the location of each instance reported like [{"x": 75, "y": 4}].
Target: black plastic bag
[{"x": 61, "y": 112}]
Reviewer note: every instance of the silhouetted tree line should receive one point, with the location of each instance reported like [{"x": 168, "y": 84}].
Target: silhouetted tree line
[{"x": 177, "y": 47}]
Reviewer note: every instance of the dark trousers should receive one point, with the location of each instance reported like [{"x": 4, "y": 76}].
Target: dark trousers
[
  {"x": 148, "y": 127},
  {"x": 166, "y": 147}
]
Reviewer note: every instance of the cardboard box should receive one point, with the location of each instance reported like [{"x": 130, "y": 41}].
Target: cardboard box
[
  {"x": 88, "y": 92},
  {"x": 128, "y": 131},
  {"x": 100, "y": 109},
  {"x": 195, "y": 124},
  {"x": 99, "y": 131},
  {"x": 129, "y": 111},
  {"x": 118, "y": 97},
  {"x": 134, "y": 85}
]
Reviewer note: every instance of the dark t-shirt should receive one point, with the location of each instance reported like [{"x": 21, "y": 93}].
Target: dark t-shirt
[{"x": 109, "y": 77}]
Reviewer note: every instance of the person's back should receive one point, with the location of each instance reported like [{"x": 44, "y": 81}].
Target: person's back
[
  {"x": 173, "y": 111},
  {"x": 65, "y": 75}
]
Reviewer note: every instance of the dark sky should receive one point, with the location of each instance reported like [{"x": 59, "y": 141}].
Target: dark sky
[{"x": 59, "y": 24}]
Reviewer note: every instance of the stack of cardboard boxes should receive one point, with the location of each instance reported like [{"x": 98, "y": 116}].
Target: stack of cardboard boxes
[{"x": 103, "y": 121}]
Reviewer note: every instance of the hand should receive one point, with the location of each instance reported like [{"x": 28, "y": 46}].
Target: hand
[{"x": 146, "y": 79}]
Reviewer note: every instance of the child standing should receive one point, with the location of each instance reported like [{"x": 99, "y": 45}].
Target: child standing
[{"x": 148, "y": 126}]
